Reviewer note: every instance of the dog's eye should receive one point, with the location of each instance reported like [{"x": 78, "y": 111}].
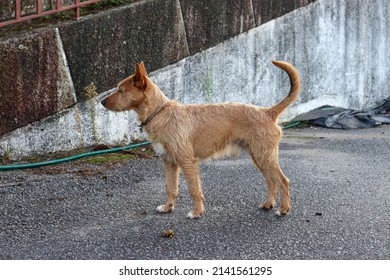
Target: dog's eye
[{"x": 121, "y": 90}]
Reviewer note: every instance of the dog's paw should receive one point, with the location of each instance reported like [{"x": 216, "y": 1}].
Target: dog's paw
[
  {"x": 281, "y": 212},
  {"x": 267, "y": 205},
  {"x": 164, "y": 209},
  {"x": 191, "y": 215}
]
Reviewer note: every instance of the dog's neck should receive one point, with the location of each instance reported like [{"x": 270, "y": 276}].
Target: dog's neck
[
  {"x": 151, "y": 117},
  {"x": 155, "y": 101}
]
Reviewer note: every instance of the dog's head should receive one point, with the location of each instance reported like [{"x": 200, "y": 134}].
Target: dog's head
[{"x": 130, "y": 92}]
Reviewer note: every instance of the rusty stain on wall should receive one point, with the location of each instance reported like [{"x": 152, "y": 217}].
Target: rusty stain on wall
[{"x": 31, "y": 71}]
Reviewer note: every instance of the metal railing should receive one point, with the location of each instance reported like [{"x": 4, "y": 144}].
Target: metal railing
[{"x": 39, "y": 10}]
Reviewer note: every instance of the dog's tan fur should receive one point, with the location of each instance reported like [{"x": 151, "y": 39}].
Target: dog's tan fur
[{"x": 185, "y": 134}]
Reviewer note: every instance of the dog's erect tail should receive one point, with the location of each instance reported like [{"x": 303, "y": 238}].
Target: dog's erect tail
[{"x": 277, "y": 109}]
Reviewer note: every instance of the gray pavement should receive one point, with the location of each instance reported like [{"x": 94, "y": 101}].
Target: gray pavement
[{"x": 340, "y": 199}]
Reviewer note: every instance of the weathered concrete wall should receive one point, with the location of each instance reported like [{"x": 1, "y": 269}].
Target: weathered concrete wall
[
  {"x": 348, "y": 66},
  {"x": 103, "y": 48},
  {"x": 47, "y": 70},
  {"x": 35, "y": 81},
  {"x": 99, "y": 50},
  {"x": 339, "y": 48},
  {"x": 265, "y": 10},
  {"x": 208, "y": 23}
]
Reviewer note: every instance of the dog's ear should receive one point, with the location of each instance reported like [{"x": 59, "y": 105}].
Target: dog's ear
[{"x": 140, "y": 80}]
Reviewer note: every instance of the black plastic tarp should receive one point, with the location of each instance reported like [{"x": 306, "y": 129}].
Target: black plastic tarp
[{"x": 342, "y": 118}]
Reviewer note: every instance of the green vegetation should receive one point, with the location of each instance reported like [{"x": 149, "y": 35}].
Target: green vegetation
[{"x": 108, "y": 158}]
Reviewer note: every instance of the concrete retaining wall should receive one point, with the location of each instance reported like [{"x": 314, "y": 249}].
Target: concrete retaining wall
[
  {"x": 338, "y": 46},
  {"x": 46, "y": 70},
  {"x": 35, "y": 81}
]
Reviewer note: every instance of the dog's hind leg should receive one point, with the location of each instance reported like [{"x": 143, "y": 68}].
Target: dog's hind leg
[
  {"x": 274, "y": 178},
  {"x": 275, "y": 174},
  {"x": 284, "y": 195},
  {"x": 270, "y": 201},
  {"x": 171, "y": 183}
]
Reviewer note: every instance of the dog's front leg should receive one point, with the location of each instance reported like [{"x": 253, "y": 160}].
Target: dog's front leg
[
  {"x": 191, "y": 172},
  {"x": 171, "y": 183}
]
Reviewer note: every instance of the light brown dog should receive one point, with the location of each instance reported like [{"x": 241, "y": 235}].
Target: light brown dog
[{"x": 184, "y": 134}]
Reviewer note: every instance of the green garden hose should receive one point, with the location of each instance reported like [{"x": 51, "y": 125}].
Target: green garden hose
[{"x": 60, "y": 160}]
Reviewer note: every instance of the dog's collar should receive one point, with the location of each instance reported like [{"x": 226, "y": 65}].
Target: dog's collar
[{"x": 150, "y": 118}]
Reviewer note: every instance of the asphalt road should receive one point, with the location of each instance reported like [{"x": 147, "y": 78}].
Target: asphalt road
[{"x": 339, "y": 190}]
